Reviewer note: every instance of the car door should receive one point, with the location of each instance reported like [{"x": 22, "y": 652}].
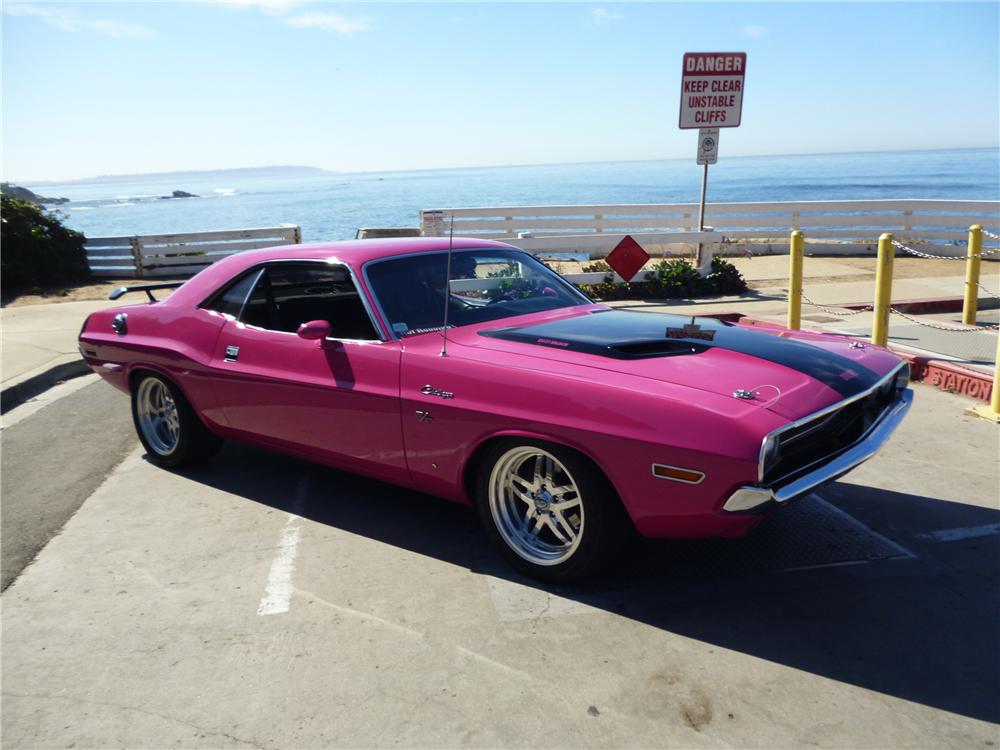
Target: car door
[{"x": 337, "y": 399}]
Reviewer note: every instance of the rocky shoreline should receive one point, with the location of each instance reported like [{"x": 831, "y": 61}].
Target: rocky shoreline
[{"x": 22, "y": 193}]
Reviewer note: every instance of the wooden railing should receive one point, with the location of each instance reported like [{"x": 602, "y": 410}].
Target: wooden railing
[
  {"x": 178, "y": 254},
  {"x": 832, "y": 226}
]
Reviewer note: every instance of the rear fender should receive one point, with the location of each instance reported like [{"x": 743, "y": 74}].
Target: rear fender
[{"x": 135, "y": 368}]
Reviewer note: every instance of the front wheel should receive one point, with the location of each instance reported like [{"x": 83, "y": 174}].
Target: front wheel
[
  {"x": 551, "y": 512},
  {"x": 167, "y": 426}
]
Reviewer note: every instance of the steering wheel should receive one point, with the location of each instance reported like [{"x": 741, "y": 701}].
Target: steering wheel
[{"x": 505, "y": 297}]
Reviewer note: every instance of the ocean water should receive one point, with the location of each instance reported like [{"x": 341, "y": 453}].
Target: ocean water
[{"x": 332, "y": 206}]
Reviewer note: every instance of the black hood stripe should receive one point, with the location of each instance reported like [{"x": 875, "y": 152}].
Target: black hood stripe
[{"x": 630, "y": 335}]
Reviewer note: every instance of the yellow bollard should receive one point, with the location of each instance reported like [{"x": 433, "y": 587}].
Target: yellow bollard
[
  {"x": 972, "y": 275},
  {"x": 883, "y": 290},
  {"x": 991, "y": 412},
  {"x": 796, "y": 248}
]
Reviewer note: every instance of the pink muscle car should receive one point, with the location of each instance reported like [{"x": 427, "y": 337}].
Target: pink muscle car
[{"x": 563, "y": 421}]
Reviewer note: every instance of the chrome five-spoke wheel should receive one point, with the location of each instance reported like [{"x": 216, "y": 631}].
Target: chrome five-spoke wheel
[
  {"x": 536, "y": 505},
  {"x": 169, "y": 429},
  {"x": 156, "y": 413}
]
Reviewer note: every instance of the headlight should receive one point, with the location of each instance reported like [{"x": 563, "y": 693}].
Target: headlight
[
  {"x": 903, "y": 377},
  {"x": 769, "y": 453}
]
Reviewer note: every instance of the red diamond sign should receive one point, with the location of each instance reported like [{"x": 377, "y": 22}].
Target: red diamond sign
[{"x": 627, "y": 258}]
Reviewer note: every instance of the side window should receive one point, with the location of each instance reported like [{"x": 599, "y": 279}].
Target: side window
[
  {"x": 288, "y": 295},
  {"x": 230, "y": 302}
]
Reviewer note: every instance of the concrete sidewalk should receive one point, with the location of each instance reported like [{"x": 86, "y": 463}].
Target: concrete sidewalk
[{"x": 39, "y": 348}]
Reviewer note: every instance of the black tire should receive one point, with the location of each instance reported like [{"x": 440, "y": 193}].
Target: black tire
[
  {"x": 193, "y": 441},
  {"x": 603, "y": 521}
]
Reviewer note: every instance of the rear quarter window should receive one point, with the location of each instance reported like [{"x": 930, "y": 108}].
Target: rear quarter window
[{"x": 231, "y": 299}]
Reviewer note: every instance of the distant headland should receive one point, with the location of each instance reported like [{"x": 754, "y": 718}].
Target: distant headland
[{"x": 225, "y": 174}]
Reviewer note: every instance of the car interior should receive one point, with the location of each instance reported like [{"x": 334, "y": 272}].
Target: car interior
[{"x": 287, "y": 295}]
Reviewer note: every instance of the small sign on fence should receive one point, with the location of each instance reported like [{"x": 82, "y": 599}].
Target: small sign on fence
[{"x": 712, "y": 89}]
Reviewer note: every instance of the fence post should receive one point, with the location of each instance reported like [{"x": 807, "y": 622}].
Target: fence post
[
  {"x": 883, "y": 290},
  {"x": 795, "y": 251},
  {"x": 972, "y": 275},
  {"x": 136, "y": 244}
]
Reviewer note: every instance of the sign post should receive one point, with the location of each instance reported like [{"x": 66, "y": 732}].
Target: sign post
[
  {"x": 708, "y": 153},
  {"x": 711, "y": 98}
]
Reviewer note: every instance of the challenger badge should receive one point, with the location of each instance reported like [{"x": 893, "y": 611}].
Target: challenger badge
[{"x": 690, "y": 331}]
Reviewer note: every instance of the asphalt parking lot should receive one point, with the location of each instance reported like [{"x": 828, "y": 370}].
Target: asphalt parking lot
[{"x": 259, "y": 601}]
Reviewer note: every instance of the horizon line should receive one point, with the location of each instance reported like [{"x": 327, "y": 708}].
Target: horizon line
[{"x": 479, "y": 166}]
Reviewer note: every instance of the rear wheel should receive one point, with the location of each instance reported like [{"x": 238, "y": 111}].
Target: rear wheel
[
  {"x": 167, "y": 426},
  {"x": 551, "y": 512}
]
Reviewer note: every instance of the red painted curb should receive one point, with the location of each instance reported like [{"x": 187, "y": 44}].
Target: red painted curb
[{"x": 948, "y": 376}]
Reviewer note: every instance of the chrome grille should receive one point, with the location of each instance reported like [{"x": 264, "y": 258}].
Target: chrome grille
[{"x": 813, "y": 441}]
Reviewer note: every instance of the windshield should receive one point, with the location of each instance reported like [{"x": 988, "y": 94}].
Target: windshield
[{"x": 485, "y": 284}]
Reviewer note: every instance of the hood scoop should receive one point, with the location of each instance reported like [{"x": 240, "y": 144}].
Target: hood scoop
[{"x": 619, "y": 335}]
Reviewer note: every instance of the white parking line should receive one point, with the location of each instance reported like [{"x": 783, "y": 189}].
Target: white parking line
[
  {"x": 277, "y": 596},
  {"x": 965, "y": 532}
]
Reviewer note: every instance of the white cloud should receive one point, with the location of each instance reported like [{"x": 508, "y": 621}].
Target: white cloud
[
  {"x": 67, "y": 21},
  {"x": 327, "y": 22},
  {"x": 268, "y": 7},
  {"x": 754, "y": 30},
  {"x": 286, "y": 11},
  {"x": 601, "y": 16}
]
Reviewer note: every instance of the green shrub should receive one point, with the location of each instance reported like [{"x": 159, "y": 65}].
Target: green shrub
[
  {"x": 671, "y": 279},
  {"x": 596, "y": 267},
  {"x": 37, "y": 250}
]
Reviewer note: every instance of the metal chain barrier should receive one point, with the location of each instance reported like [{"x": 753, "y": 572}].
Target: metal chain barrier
[
  {"x": 869, "y": 308},
  {"x": 837, "y": 311},
  {"x": 991, "y": 250},
  {"x": 939, "y": 327},
  {"x": 900, "y": 246},
  {"x": 988, "y": 291}
]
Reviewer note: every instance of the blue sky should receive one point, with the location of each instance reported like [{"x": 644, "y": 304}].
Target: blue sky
[{"x": 109, "y": 88}]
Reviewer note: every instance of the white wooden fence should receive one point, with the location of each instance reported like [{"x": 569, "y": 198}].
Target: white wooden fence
[
  {"x": 184, "y": 254},
  {"x": 848, "y": 227}
]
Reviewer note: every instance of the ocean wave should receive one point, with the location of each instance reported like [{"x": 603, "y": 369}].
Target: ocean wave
[{"x": 225, "y": 191}]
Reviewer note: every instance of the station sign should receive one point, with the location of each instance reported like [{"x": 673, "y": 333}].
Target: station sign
[
  {"x": 708, "y": 145},
  {"x": 712, "y": 89}
]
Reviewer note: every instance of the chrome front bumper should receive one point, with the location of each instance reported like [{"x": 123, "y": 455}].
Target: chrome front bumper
[{"x": 751, "y": 499}]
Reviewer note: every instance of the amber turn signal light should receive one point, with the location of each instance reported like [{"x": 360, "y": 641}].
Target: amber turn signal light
[{"x": 688, "y": 476}]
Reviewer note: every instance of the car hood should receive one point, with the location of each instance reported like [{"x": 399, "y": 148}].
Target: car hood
[{"x": 787, "y": 372}]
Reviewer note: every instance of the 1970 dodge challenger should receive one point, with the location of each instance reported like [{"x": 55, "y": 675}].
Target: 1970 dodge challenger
[{"x": 561, "y": 420}]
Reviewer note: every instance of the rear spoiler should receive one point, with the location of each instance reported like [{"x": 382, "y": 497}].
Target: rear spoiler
[{"x": 147, "y": 288}]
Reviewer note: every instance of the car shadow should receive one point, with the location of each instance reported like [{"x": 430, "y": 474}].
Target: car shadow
[{"x": 880, "y": 604}]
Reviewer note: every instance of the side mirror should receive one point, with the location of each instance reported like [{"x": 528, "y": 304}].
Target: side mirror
[{"x": 314, "y": 330}]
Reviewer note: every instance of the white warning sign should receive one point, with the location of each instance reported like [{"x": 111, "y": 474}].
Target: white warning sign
[{"x": 712, "y": 89}]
